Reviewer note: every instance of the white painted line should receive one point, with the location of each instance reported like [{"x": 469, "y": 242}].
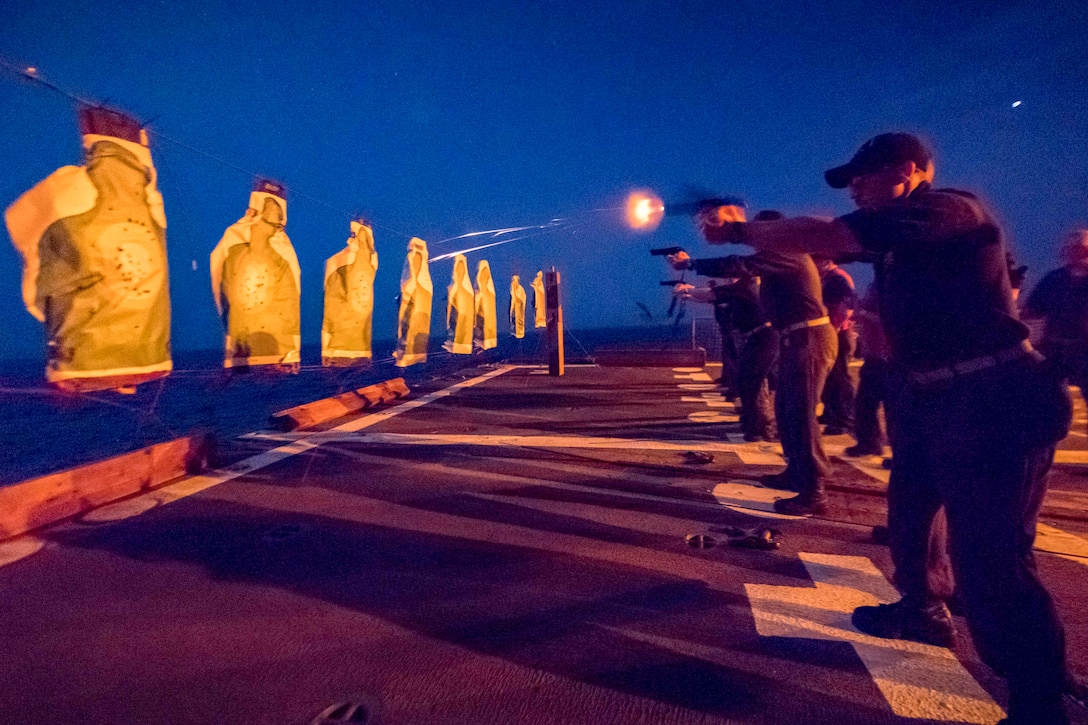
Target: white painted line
[
  {"x": 872, "y": 466},
  {"x": 711, "y": 416},
  {"x": 751, "y": 499},
  {"x": 1061, "y": 543},
  {"x": 748, "y": 453},
  {"x": 545, "y": 367},
  {"x": 1074, "y": 458},
  {"x": 713, "y": 399},
  {"x": 195, "y": 484},
  {"x": 917, "y": 680},
  {"x": 693, "y": 377},
  {"x": 299, "y": 443},
  {"x": 709, "y": 402},
  {"x": 267, "y": 434},
  {"x": 375, "y": 418},
  {"x": 770, "y": 449}
]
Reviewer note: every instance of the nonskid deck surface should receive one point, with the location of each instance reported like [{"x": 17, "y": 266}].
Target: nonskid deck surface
[{"x": 505, "y": 547}]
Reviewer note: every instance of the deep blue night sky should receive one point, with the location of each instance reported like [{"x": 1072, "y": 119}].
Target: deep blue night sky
[{"x": 436, "y": 119}]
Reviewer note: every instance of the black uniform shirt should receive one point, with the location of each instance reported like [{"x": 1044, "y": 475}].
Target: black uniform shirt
[
  {"x": 790, "y": 284},
  {"x": 1062, "y": 299},
  {"x": 941, "y": 276},
  {"x": 739, "y": 305}
]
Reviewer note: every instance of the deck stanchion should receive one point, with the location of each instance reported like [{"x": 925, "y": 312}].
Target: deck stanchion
[{"x": 554, "y": 311}]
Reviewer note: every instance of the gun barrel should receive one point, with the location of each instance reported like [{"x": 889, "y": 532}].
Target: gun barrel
[
  {"x": 665, "y": 251},
  {"x": 691, "y": 208}
]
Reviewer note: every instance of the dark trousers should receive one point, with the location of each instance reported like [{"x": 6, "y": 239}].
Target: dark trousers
[
  {"x": 841, "y": 388},
  {"x": 728, "y": 380},
  {"x": 981, "y": 446},
  {"x": 873, "y": 386},
  {"x": 757, "y": 355},
  {"x": 804, "y": 360},
  {"x": 1070, "y": 358}
]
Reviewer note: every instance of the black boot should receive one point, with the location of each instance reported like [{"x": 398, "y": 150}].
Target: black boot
[
  {"x": 859, "y": 450},
  {"x": 928, "y": 622},
  {"x": 1035, "y": 710},
  {"x": 781, "y": 481},
  {"x": 764, "y": 434},
  {"x": 803, "y": 504}
]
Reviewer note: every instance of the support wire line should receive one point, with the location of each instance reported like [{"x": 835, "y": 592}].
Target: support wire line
[{"x": 33, "y": 76}]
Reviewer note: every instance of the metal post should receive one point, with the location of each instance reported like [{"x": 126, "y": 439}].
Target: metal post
[{"x": 554, "y": 316}]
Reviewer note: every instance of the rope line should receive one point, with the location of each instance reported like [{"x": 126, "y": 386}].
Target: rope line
[{"x": 31, "y": 74}]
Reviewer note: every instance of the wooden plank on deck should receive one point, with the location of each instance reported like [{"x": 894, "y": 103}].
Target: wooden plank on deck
[
  {"x": 308, "y": 415},
  {"x": 42, "y": 501}
]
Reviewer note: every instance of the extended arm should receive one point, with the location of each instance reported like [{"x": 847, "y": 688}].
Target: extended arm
[
  {"x": 723, "y": 267},
  {"x": 812, "y": 235}
]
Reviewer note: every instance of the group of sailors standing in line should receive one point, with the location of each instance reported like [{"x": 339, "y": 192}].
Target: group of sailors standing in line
[{"x": 974, "y": 412}]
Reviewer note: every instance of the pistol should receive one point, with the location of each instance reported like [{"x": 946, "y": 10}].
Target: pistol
[
  {"x": 665, "y": 251},
  {"x": 671, "y": 282}
]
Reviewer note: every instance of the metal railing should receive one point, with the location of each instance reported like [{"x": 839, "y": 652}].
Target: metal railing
[{"x": 706, "y": 333}]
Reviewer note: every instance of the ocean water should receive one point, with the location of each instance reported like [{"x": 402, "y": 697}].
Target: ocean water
[{"x": 45, "y": 430}]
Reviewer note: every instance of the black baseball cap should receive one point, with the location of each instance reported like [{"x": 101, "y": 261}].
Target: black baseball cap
[
  {"x": 108, "y": 122},
  {"x": 877, "y": 153}
]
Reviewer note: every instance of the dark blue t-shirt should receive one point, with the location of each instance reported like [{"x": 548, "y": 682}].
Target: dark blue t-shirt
[
  {"x": 737, "y": 305},
  {"x": 789, "y": 283},
  {"x": 942, "y": 280},
  {"x": 1062, "y": 299}
]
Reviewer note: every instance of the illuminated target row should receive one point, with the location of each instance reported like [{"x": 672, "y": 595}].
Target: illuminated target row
[{"x": 93, "y": 243}]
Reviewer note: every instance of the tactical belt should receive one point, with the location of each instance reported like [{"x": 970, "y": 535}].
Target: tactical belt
[
  {"x": 743, "y": 336},
  {"x": 974, "y": 365},
  {"x": 807, "y": 323}
]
